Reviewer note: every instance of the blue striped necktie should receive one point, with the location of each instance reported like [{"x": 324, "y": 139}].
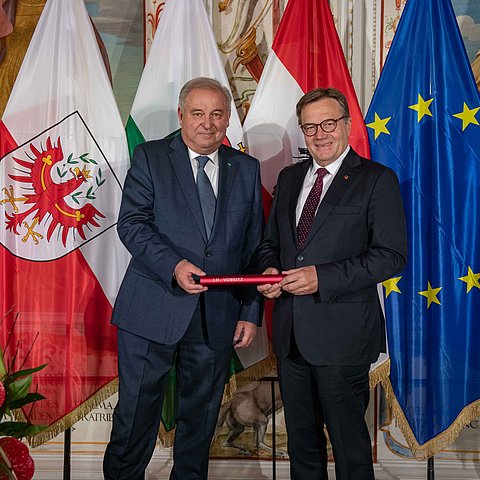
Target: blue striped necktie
[{"x": 206, "y": 195}]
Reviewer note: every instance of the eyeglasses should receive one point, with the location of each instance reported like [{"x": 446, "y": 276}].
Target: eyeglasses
[{"x": 328, "y": 126}]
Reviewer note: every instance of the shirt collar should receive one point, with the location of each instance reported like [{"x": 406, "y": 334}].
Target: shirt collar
[
  {"x": 213, "y": 156},
  {"x": 333, "y": 167}
]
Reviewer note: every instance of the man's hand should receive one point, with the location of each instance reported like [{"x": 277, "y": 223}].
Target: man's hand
[
  {"x": 270, "y": 290},
  {"x": 300, "y": 281},
  {"x": 183, "y": 274},
  {"x": 244, "y": 334}
]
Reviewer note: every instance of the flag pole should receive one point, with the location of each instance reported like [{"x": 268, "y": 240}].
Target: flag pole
[
  {"x": 67, "y": 447},
  {"x": 430, "y": 469}
]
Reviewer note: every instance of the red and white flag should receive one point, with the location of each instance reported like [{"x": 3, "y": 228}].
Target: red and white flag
[
  {"x": 306, "y": 54},
  {"x": 63, "y": 159}
]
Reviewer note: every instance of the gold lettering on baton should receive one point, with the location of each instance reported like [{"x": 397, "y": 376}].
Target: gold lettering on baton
[{"x": 226, "y": 279}]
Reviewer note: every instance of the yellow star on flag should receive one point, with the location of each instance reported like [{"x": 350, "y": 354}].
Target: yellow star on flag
[
  {"x": 471, "y": 279},
  {"x": 379, "y": 125},
  {"x": 467, "y": 116},
  {"x": 431, "y": 294},
  {"x": 422, "y": 107},
  {"x": 391, "y": 285}
]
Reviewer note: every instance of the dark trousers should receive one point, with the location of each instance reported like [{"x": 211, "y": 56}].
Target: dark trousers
[
  {"x": 336, "y": 396},
  {"x": 143, "y": 370}
]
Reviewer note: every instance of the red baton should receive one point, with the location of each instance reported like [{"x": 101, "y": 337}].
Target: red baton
[{"x": 212, "y": 280}]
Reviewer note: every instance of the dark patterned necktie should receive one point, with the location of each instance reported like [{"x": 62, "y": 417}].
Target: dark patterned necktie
[
  {"x": 309, "y": 209},
  {"x": 206, "y": 195}
]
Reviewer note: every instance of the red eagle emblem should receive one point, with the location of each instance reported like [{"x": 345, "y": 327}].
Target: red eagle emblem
[{"x": 48, "y": 197}]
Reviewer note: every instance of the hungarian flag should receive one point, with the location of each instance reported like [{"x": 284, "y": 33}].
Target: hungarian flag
[
  {"x": 63, "y": 158},
  {"x": 184, "y": 47},
  {"x": 306, "y": 54}
]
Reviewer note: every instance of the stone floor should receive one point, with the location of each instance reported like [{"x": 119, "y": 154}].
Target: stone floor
[{"x": 87, "y": 467}]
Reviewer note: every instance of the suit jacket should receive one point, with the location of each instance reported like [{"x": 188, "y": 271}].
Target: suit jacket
[
  {"x": 358, "y": 239},
  {"x": 161, "y": 223}
]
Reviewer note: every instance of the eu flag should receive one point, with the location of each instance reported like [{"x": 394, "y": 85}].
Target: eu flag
[{"x": 423, "y": 123}]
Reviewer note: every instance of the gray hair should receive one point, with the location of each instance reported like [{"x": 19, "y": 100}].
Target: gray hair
[
  {"x": 319, "y": 93},
  {"x": 204, "y": 83}
]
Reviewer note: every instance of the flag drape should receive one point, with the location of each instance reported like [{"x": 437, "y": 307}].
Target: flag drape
[
  {"x": 184, "y": 47},
  {"x": 423, "y": 123},
  {"x": 63, "y": 160}
]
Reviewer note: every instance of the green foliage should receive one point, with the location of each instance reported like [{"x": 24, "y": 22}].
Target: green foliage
[{"x": 15, "y": 394}]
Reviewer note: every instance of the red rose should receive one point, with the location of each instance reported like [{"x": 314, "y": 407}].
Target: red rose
[{"x": 19, "y": 457}]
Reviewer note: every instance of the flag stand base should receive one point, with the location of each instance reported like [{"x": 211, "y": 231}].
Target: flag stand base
[
  {"x": 272, "y": 380},
  {"x": 67, "y": 449},
  {"x": 430, "y": 469}
]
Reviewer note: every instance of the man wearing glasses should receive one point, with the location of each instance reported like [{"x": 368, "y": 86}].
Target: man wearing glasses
[{"x": 336, "y": 229}]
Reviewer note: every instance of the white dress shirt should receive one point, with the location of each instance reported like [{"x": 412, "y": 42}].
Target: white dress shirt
[
  {"x": 211, "y": 167},
  {"x": 310, "y": 178}
]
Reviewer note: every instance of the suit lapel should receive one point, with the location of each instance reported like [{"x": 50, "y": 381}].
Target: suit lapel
[
  {"x": 340, "y": 184},
  {"x": 183, "y": 170},
  {"x": 228, "y": 168}
]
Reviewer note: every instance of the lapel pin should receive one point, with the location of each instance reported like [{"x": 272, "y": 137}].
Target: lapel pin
[
  {"x": 229, "y": 164},
  {"x": 346, "y": 177}
]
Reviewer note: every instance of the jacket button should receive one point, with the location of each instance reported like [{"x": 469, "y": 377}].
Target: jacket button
[
  {"x": 300, "y": 258},
  {"x": 208, "y": 254}
]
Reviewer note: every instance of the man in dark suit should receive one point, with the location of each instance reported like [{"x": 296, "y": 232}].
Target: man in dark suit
[
  {"x": 336, "y": 229},
  {"x": 191, "y": 206}
]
